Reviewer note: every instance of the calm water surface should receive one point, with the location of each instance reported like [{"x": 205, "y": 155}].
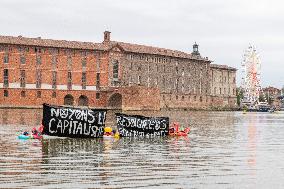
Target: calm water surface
[{"x": 223, "y": 150}]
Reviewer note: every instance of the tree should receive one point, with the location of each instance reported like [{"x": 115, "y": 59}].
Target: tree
[{"x": 240, "y": 95}]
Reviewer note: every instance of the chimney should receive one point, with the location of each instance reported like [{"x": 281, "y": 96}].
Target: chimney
[{"x": 106, "y": 36}]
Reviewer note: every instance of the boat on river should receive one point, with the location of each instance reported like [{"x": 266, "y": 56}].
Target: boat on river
[
  {"x": 256, "y": 107},
  {"x": 263, "y": 107}
]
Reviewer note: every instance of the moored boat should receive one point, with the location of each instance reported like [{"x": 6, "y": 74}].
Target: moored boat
[{"x": 263, "y": 107}]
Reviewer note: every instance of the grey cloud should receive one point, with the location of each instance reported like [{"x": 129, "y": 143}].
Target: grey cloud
[{"x": 223, "y": 28}]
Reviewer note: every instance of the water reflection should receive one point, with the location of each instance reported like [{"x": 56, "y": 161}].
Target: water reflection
[
  {"x": 252, "y": 142},
  {"x": 20, "y": 116},
  {"x": 223, "y": 150}
]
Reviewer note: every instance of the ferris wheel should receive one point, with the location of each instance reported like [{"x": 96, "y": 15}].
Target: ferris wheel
[{"x": 251, "y": 75}]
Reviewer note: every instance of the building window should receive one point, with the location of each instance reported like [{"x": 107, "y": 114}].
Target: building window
[
  {"x": 176, "y": 85},
  {"x": 53, "y": 94},
  {"x": 115, "y": 70},
  {"x": 54, "y": 60},
  {"x": 200, "y": 99},
  {"x": 37, "y": 50},
  {"x": 23, "y": 59},
  {"x": 98, "y": 82},
  {"x": 130, "y": 80},
  {"x": 84, "y": 53},
  {"x": 84, "y": 62},
  {"x": 54, "y": 75},
  {"x": 139, "y": 80},
  {"x": 98, "y": 61},
  {"x": 176, "y": 97},
  {"x": 194, "y": 98},
  {"x": 69, "y": 81},
  {"x": 20, "y": 49},
  {"x": 98, "y": 95},
  {"x": 23, "y": 78},
  {"x": 38, "y": 94},
  {"x": 23, "y": 93},
  {"x": 6, "y": 78},
  {"x": 84, "y": 79},
  {"x": 69, "y": 62},
  {"x": 38, "y": 79},
  {"x": 6, "y": 93},
  {"x": 6, "y": 58},
  {"x": 38, "y": 59},
  {"x": 220, "y": 91}
]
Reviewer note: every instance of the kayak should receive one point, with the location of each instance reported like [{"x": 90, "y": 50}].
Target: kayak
[
  {"x": 24, "y": 137},
  {"x": 180, "y": 133},
  {"x": 36, "y": 136}
]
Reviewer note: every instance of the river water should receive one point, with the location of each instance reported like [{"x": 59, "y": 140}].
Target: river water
[{"x": 223, "y": 150}]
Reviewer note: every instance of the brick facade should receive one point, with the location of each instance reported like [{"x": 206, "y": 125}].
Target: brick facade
[
  {"x": 223, "y": 86},
  {"x": 108, "y": 74}
]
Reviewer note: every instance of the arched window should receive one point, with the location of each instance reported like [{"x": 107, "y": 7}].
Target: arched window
[
  {"x": 23, "y": 93},
  {"x": 69, "y": 100},
  {"x": 115, "y": 101},
  {"x": 83, "y": 101}
]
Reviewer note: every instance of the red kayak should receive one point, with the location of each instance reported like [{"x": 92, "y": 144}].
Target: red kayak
[
  {"x": 174, "y": 130},
  {"x": 37, "y": 136}
]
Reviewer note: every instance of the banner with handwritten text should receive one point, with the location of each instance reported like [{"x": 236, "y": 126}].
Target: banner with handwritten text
[
  {"x": 140, "y": 126},
  {"x": 73, "y": 122}
]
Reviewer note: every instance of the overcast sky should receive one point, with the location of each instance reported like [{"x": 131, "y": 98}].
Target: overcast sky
[{"x": 222, "y": 28}]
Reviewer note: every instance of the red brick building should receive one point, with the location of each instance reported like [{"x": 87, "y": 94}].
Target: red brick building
[{"x": 109, "y": 74}]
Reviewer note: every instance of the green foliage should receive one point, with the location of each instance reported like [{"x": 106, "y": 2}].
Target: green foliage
[{"x": 240, "y": 95}]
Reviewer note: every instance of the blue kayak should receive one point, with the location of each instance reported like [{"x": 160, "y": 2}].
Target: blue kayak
[{"x": 25, "y": 137}]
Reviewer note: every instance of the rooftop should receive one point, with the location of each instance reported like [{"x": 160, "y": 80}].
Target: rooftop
[
  {"x": 104, "y": 46},
  {"x": 225, "y": 67}
]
